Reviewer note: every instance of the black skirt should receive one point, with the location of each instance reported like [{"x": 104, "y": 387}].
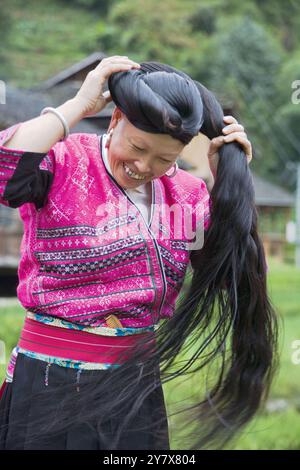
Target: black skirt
[{"x": 17, "y": 418}]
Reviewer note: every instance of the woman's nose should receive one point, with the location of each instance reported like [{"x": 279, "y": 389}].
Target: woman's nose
[{"x": 143, "y": 167}]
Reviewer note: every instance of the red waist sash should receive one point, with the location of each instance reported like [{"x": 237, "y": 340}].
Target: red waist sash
[{"x": 78, "y": 345}]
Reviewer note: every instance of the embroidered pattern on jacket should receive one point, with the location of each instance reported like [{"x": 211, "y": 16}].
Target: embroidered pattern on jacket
[{"x": 84, "y": 230}]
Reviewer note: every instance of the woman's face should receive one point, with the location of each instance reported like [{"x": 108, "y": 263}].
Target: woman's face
[{"x": 146, "y": 154}]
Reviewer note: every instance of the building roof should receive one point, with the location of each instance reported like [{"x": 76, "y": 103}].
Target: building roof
[
  {"x": 22, "y": 105},
  {"x": 269, "y": 194},
  {"x": 66, "y": 74}
]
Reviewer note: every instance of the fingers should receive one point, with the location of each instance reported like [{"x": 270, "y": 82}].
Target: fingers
[
  {"x": 241, "y": 137},
  {"x": 236, "y": 127},
  {"x": 112, "y": 64},
  {"x": 233, "y": 131},
  {"x": 229, "y": 119},
  {"x": 214, "y": 145},
  {"x": 233, "y": 135},
  {"x": 117, "y": 60}
]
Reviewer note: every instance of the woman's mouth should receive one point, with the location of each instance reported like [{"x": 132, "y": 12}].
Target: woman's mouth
[{"x": 131, "y": 173}]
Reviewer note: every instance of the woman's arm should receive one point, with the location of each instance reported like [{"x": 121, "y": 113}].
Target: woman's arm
[{"x": 41, "y": 133}]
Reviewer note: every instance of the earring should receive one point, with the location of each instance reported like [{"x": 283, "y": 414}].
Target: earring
[
  {"x": 174, "y": 171},
  {"x": 109, "y": 134}
]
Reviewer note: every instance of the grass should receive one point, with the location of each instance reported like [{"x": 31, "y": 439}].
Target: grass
[
  {"x": 277, "y": 430},
  {"x": 12, "y": 318},
  {"x": 280, "y": 429}
]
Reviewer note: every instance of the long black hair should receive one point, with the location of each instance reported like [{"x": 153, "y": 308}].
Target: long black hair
[{"x": 224, "y": 319}]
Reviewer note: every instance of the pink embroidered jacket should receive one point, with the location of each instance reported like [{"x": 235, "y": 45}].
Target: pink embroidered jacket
[{"x": 87, "y": 251}]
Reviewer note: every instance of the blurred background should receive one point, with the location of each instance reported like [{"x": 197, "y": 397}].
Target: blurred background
[{"x": 248, "y": 54}]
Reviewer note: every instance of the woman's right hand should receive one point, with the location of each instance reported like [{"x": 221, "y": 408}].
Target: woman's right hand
[{"x": 91, "y": 94}]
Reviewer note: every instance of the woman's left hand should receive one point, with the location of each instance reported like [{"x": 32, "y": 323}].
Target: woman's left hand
[{"x": 232, "y": 131}]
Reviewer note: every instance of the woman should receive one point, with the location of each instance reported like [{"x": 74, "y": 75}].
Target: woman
[{"x": 103, "y": 263}]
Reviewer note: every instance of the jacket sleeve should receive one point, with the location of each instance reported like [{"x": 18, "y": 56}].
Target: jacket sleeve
[{"x": 24, "y": 176}]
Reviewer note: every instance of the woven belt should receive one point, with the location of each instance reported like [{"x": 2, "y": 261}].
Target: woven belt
[
  {"x": 76, "y": 344},
  {"x": 106, "y": 330}
]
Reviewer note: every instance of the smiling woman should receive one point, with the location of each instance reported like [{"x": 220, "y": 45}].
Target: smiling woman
[
  {"x": 105, "y": 327},
  {"x": 135, "y": 155}
]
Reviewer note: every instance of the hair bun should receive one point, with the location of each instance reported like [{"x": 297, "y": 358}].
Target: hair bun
[{"x": 157, "y": 98}]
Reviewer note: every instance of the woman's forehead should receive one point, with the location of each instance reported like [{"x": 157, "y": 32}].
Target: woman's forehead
[{"x": 149, "y": 140}]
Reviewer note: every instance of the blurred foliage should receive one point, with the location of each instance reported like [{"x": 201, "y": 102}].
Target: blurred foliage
[
  {"x": 101, "y": 6},
  {"x": 243, "y": 73},
  {"x": 5, "y": 28},
  {"x": 147, "y": 30},
  {"x": 247, "y": 53}
]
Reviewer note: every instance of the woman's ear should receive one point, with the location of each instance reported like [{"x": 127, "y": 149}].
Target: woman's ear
[{"x": 115, "y": 117}]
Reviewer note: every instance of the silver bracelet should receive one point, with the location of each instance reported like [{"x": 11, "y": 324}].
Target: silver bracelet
[{"x": 62, "y": 119}]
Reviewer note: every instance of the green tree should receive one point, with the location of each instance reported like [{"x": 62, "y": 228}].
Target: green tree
[
  {"x": 100, "y": 6},
  {"x": 244, "y": 73},
  {"x": 284, "y": 19},
  {"x": 150, "y": 30},
  {"x": 287, "y": 117}
]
